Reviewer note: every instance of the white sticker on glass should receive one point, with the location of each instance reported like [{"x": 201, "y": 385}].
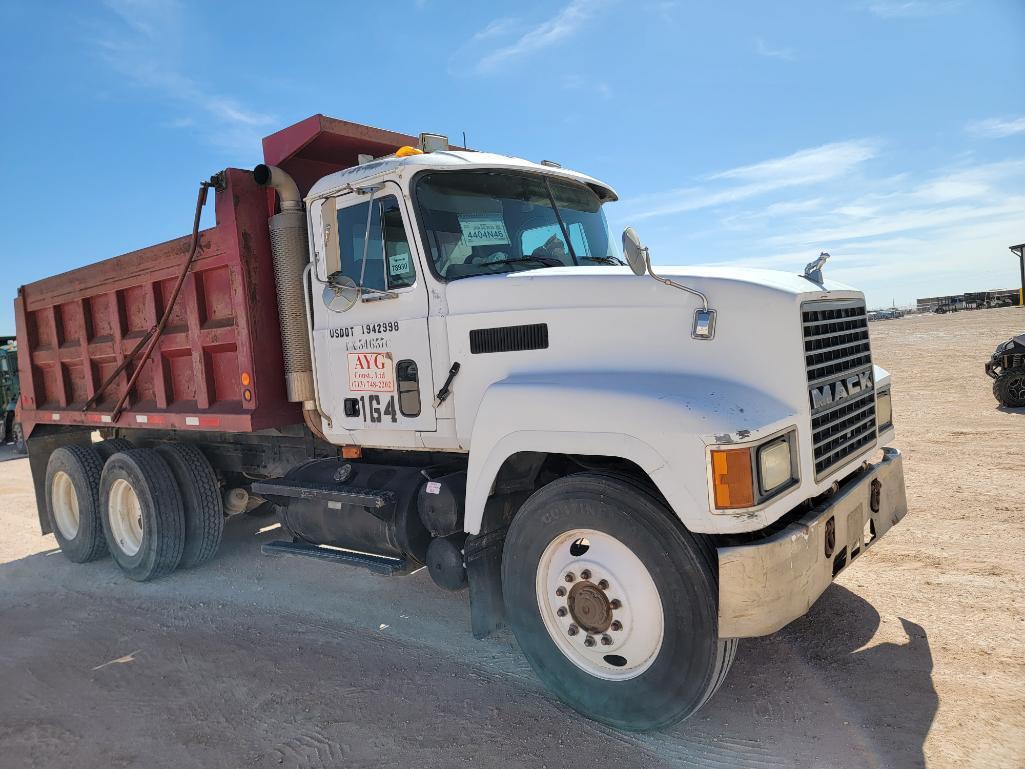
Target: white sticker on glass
[
  {"x": 398, "y": 264},
  {"x": 487, "y": 230}
]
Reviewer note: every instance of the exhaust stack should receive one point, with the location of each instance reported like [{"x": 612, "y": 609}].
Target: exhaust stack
[{"x": 290, "y": 251}]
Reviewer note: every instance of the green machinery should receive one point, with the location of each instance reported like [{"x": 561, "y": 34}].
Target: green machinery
[{"x": 9, "y": 389}]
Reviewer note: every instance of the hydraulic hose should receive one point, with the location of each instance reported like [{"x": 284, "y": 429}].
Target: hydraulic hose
[{"x": 151, "y": 337}]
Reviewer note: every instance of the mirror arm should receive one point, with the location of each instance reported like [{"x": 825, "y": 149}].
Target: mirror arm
[
  {"x": 366, "y": 234},
  {"x": 673, "y": 283}
]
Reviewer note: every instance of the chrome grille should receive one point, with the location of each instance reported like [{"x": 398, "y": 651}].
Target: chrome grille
[{"x": 841, "y": 390}]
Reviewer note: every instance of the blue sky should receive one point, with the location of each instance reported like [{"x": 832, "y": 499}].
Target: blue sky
[{"x": 888, "y": 132}]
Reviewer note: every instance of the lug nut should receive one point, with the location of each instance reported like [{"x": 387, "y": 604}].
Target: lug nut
[
  {"x": 606, "y": 640},
  {"x": 570, "y": 576},
  {"x": 603, "y": 584},
  {"x": 562, "y": 611},
  {"x": 589, "y": 641},
  {"x": 616, "y": 625},
  {"x": 585, "y": 574},
  {"x": 560, "y": 591},
  {"x": 615, "y": 603},
  {"x": 573, "y": 630}
]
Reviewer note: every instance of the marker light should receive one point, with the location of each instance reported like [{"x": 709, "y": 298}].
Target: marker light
[
  {"x": 884, "y": 410},
  {"x": 731, "y": 478},
  {"x": 406, "y": 151}
]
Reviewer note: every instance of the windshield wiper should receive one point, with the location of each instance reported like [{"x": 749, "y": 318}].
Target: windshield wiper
[
  {"x": 544, "y": 261},
  {"x": 614, "y": 260},
  {"x": 562, "y": 224}
]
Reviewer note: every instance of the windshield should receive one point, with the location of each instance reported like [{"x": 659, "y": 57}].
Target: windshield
[{"x": 484, "y": 222}]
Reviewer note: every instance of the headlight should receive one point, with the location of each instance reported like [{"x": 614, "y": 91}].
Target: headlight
[
  {"x": 775, "y": 467},
  {"x": 884, "y": 410},
  {"x": 734, "y": 483}
]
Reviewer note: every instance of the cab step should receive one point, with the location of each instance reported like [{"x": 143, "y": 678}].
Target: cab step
[{"x": 379, "y": 564}]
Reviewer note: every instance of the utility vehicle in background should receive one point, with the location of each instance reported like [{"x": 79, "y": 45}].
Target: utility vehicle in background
[
  {"x": 1006, "y": 367},
  {"x": 431, "y": 356}
]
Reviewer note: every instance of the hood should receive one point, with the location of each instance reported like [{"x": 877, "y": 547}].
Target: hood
[{"x": 613, "y": 287}]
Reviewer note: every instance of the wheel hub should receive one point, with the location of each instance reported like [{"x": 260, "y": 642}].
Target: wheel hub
[
  {"x": 589, "y": 607},
  {"x": 600, "y": 604}
]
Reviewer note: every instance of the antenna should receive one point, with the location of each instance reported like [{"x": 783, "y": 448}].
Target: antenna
[{"x": 464, "y": 140}]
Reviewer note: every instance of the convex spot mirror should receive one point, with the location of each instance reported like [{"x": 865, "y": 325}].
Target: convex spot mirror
[
  {"x": 635, "y": 253},
  {"x": 341, "y": 292}
]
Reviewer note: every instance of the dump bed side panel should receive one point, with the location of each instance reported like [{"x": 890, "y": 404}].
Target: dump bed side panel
[{"x": 218, "y": 364}]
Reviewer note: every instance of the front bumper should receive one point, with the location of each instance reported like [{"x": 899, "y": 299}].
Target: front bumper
[{"x": 765, "y": 585}]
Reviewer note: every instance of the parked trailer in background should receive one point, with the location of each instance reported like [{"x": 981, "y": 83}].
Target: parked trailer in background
[{"x": 425, "y": 356}]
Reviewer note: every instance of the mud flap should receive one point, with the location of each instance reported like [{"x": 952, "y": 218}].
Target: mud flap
[{"x": 483, "y": 554}]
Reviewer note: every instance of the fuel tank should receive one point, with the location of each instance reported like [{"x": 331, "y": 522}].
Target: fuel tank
[{"x": 360, "y": 506}]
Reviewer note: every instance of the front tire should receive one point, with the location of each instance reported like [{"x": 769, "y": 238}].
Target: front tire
[
  {"x": 614, "y": 603},
  {"x": 141, "y": 510},
  {"x": 1009, "y": 388}
]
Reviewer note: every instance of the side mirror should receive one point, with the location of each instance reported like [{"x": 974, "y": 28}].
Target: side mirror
[
  {"x": 341, "y": 292},
  {"x": 636, "y": 254}
]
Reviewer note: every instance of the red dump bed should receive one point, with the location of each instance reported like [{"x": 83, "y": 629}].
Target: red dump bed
[{"x": 218, "y": 364}]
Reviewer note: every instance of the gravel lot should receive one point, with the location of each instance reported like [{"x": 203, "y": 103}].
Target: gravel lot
[{"x": 914, "y": 657}]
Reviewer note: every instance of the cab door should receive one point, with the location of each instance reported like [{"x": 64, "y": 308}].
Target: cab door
[{"x": 371, "y": 347}]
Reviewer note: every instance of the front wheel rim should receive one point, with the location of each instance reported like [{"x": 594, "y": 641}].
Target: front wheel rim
[
  {"x": 124, "y": 513},
  {"x": 600, "y": 605},
  {"x": 65, "y": 505}
]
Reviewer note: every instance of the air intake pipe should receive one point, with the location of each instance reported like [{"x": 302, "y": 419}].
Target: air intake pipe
[{"x": 290, "y": 251}]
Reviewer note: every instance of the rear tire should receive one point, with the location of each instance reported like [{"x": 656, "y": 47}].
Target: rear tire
[
  {"x": 201, "y": 500},
  {"x": 72, "y": 502},
  {"x": 632, "y": 639},
  {"x": 1009, "y": 388},
  {"x": 141, "y": 511},
  {"x": 111, "y": 446}
]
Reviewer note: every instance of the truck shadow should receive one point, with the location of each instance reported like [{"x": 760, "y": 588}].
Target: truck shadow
[{"x": 817, "y": 695}]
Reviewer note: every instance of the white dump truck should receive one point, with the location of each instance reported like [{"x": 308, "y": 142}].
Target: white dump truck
[{"x": 418, "y": 355}]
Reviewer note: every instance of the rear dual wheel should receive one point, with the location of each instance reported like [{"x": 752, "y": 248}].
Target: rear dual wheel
[
  {"x": 154, "y": 510},
  {"x": 73, "y": 504},
  {"x": 142, "y": 514},
  {"x": 614, "y": 603}
]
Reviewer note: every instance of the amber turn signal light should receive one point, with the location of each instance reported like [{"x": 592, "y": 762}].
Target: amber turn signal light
[{"x": 731, "y": 478}]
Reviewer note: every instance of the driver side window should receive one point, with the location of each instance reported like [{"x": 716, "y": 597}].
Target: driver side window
[{"x": 389, "y": 259}]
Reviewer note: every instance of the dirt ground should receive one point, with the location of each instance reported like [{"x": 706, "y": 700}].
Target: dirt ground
[{"x": 914, "y": 657}]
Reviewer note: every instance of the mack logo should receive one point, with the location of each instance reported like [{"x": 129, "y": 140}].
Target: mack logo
[{"x": 841, "y": 390}]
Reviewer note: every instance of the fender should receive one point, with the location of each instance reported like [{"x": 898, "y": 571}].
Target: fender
[{"x": 603, "y": 413}]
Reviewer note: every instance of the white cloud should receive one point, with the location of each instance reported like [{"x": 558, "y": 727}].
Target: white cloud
[
  {"x": 803, "y": 168},
  {"x": 911, "y": 9},
  {"x": 764, "y": 49},
  {"x": 893, "y": 235},
  {"x": 996, "y": 128},
  {"x": 143, "y": 44},
  {"x": 556, "y": 29}
]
